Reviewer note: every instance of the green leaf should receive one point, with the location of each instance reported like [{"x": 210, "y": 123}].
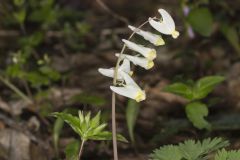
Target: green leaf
[
  {"x": 227, "y": 155},
  {"x": 19, "y": 2},
  {"x": 189, "y": 150},
  {"x": 70, "y": 120},
  {"x": 108, "y": 136},
  {"x": 230, "y": 32},
  {"x": 168, "y": 152},
  {"x": 131, "y": 117},
  {"x": 96, "y": 120},
  {"x": 201, "y": 20},
  {"x": 196, "y": 111},
  {"x": 180, "y": 89},
  {"x": 20, "y": 16},
  {"x": 72, "y": 150},
  {"x": 57, "y": 128},
  {"x": 206, "y": 85}
]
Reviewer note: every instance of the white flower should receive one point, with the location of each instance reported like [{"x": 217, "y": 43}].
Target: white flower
[
  {"x": 130, "y": 90},
  {"x": 149, "y": 53},
  {"x": 125, "y": 67},
  {"x": 166, "y": 26},
  {"x": 153, "y": 38},
  {"x": 140, "y": 61}
]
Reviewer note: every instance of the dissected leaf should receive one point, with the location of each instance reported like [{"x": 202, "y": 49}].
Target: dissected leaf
[
  {"x": 227, "y": 155},
  {"x": 108, "y": 136},
  {"x": 201, "y": 20},
  {"x": 131, "y": 117},
  {"x": 71, "y": 120},
  {"x": 196, "y": 111},
  {"x": 168, "y": 152},
  {"x": 189, "y": 150}
]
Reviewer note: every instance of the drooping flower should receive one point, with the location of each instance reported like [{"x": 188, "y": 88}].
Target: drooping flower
[
  {"x": 130, "y": 90},
  {"x": 149, "y": 53},
  {"x": 166, "y": 26},
  {"x": 153, "y": 38},
  {"x": 140, "y": 61},
  {"x": 125, "y": 67}
]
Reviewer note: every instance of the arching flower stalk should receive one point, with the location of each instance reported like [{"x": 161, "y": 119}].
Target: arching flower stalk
[{"x": 123, "y": 84}]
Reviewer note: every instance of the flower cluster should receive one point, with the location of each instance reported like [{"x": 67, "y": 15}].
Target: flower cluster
[{"x": 126, "y": 86}]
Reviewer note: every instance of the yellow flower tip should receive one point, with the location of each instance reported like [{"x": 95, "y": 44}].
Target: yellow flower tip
[
  {"x": 175, "y": 34},
  {"x": 150, "y": 64},
  {"x": 160, "y": 42},
  {"x": 140, "y": 96},
  {"x": 152, "y": 54},
  {"x": 130, "y": 73}
]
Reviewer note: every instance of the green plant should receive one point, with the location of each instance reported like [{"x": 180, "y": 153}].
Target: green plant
[
  {"x": 194, "y": 93},
  {"x": 191, "y": 150},
  {"x": 87, "y": 128}
]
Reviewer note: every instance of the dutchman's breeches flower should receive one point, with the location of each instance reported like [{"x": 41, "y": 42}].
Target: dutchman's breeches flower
[
  {"x": 123, "y": 84},
  {"x": 152, "y": 38},
  {"x": 139, "y": 61},
  {"x": 125, "y": 67},
  {"x": 166, "y": 26},
  {"x": 149, "y": 53},
  {"x": 130, "y": 90}
]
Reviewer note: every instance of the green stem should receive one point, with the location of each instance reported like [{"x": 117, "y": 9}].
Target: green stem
[
  {"x": 16, "y": 90},
  {"x": 114, "y": 128}
]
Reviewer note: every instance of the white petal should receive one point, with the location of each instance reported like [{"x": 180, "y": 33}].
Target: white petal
[
  {"x": 166, "y": 26},
  {"x": 153, "y": 38},
  {"x": 125, "y": 66},
  {"x": 129, "y": 81},
  {"x": 149, "y": 53},
  {"x": 167, "y": 19},
  {"x": 130, "y": 92},
  {"x": 109, "y": 73},
  {"x": 160, "y": 26},
  {"x": 140, "y": 61}
]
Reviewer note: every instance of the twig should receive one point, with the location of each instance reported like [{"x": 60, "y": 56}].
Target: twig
[
  {"x": 16, "y": 90},
  {"x": 115, "y": 15},
  {"x": 114, "y": 132}
]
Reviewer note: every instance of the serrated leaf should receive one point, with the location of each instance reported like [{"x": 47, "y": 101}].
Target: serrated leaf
[
  {"x": 201, "y": 20},
  {"x": 70, "y": 120},
  {"x": 206, "y": 85},
  {"x": 190, "y": 150},
  {"x": 72, "y": 150},
  {"x": 210, "y": 145},
  {"x": 96, "y": 120},
  {"x": 108, "y": 136},
  {"x": 131, "y": 117},
  {"x": 180, "y": 89},
  {"x": 227, "y": 155},
  {"x": 196, "y": 111},
  {"x": 168, "y": 152}
]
